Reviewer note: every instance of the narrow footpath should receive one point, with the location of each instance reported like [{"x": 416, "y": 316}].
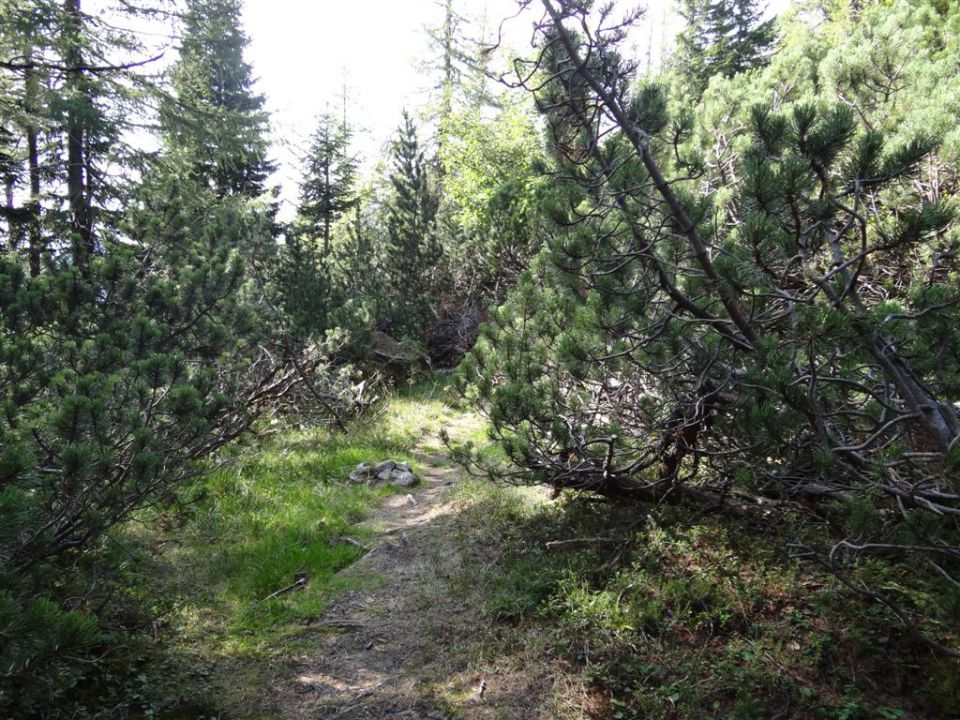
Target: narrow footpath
[{"x": 407, "y": 644}]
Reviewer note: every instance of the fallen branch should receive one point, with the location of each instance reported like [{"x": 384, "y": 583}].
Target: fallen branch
[
  {"x": 356, "y": 702},
  {"x": 357, "y": 543},
  {"x": 343, "y": 624},
  {"x": 578, "y": 543},
  {"x": 297, "y": 584},
  {"x": 478, "y": 692}
]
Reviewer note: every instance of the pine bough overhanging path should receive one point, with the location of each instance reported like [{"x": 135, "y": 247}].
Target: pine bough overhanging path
[{"x": 782, "y": 345}]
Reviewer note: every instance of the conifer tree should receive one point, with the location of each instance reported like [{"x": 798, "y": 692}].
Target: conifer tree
[
  {"x": 304, "y": 284},
  {"x": 128, "y": 344},
  {"x": 10, "y": 172},
  {"x": 214, "y": 120},
  {"x": 412, "y": 247},
  {"x": 784, "y": 329},
  {"x": 63, "y": 65},
  {"x": 722, "y": 37},
  {"x": 447, "y": 43},
  {"x": 327, "y": 189},
  {"x": 357, "y": 257},
  {"x": 306, "y": 276}
]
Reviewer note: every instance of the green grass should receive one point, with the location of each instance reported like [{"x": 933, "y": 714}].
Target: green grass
[{"x": 280, "y": 508}]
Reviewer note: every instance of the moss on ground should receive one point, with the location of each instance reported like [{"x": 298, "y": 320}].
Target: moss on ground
[{"x": 692, "y": 616}]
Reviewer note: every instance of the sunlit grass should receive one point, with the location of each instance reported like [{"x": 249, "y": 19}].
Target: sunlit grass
[
  {"x": 286, "y": 510},
  {"x": 282, "y": 508},
  {"x": 281, "y": 513}
]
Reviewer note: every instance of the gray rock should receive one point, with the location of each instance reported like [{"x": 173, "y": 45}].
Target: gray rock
[
  {"x": 361, "y": 473},
  {"x": 387, "y": 471},
  {"x": 404, "y": 479},
  {"x": 387, "y": 465},
  {"x": 384, "y": 470}
]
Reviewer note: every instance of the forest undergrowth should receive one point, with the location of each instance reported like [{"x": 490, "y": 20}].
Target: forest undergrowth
[
  {"x": 609, "y": 612},
  {"x": 703, "y": 456}
]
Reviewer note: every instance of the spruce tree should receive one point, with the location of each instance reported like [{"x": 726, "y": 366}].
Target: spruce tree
[
  {"x": 357, "y": 259},
  {"x": 458, "y": 63},
  {"x": 327, "y": 188},
  {"x": 413, "y": 250},
  {"x": 214, "y": 119},
  {"x": 722, "y": 37},
  {"x": 62, "y": 64},
  {"x": 306, "y": 277},
  {"x": 10, "y": 174},
  {"x": 304, "y": 285}
]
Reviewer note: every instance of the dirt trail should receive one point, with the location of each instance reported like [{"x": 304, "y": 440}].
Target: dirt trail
[{"x": 406, "y": 645}]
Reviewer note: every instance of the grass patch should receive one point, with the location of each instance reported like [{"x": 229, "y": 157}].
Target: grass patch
[{"x": 280, "y": 510}]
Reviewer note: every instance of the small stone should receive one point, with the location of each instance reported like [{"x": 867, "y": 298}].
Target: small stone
[
  {"x": 404, "y": 479},
  {"x": 388, "y": 465},
  {"x": 384, "y": 470},
  {"x": 360, "y": 473}
]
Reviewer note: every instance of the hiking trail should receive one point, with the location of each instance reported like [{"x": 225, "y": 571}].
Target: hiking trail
[{"x": 402, "y": 643}]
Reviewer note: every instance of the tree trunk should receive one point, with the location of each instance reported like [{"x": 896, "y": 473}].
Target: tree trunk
[
  {"x": 83, "y": 246},
  {"x": 32, "y": 87}
]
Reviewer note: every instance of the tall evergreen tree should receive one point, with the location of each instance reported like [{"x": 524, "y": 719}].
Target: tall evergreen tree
[
  {"x": 722, "y": 37},
  {"x": 215, "y": 121},
  {"x": 79, "y": 114},
  {"x": 413, "y": 249},
  {"x": 306, "y": 276},
  {"x": 304, "y": 284},
  {"x": 446, "y": 39},
  {"x": 63, "y": 67},
  {"x": 10, "y": 171},
  {"x": 459, "y": 68},
  {"x": 327, "y": 188}
]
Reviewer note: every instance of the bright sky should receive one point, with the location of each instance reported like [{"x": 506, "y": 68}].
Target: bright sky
[{"x": 302, "y": 50}]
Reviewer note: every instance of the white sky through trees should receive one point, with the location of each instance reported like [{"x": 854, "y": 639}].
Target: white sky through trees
[{"x": 303, "y": 51}]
